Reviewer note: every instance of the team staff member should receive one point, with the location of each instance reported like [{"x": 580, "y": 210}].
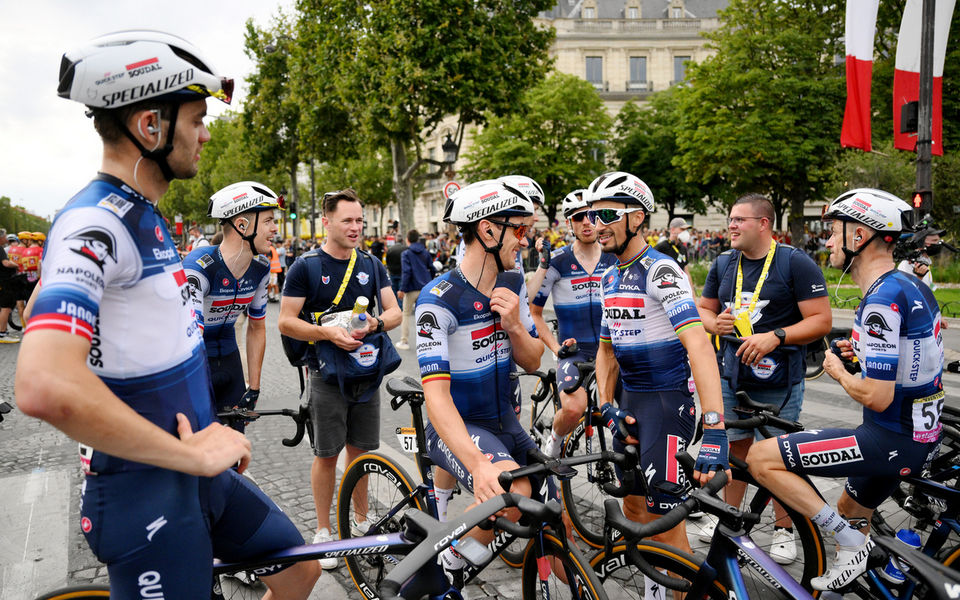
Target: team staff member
[
  {"x": 769, "y": 294},
  {"x": 573, "y": 277},
  {"x": 896, "y": 337},
  {"x": 675, "y": 246},
  {"x": 650, "y": 328},
  {"x": 313, "y": 284},
  {"x": 230, "y": 279},
  {"x": 112, "y": 355}
]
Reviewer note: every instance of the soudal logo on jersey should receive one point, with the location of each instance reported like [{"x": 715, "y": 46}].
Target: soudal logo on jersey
[
  {"x": 876, "y": 326},
  {"x": 488, "y": 335},
  {"x": 584, "y": 283},
  {"x": 837, "y": 451},
  {"x": 219, "y": 306},
  {"x": 666, "y": 277},
  {"x": 96, "y": 244},
  {"x": 623, "y": 308}
]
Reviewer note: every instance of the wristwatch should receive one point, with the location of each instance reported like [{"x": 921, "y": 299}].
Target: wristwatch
[
  {"x": 781, "y": 335},
  {"x": 379, "y": 325},
  {"x": 712, "y": 417}
]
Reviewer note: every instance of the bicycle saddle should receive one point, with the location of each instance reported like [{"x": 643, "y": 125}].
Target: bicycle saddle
[
  {"x": 404, "y": 387},
  {"x": 745, "y": 402}
]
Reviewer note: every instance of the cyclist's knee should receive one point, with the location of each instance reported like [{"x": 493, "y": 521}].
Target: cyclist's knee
[
  {"x": 763, "y": 457},
  {"x": 522, "y": 486},
  {"x": 740, "y": 448},
  {"x": 635, "y": 509},
  {"x": 575, "y": 402},
  {"x": 297, "y": 581}
]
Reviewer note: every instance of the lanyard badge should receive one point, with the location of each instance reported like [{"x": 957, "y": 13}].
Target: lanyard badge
[{"x": 741, "y": 321}]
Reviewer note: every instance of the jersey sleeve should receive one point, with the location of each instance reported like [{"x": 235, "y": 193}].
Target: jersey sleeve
[
  {"x": 547, "y": 286},
  {"x": 257, "y": 309},
  {"x": 668, "y": 284},
  {"x": 879, "y": 339},
  {"x": 604, "y": 326},
  {"x": 808, "y": 280},
  {"x": 435, "y": 322},
  {"x": 90, "y": 248},
  {"x": 199, "y": 286}
]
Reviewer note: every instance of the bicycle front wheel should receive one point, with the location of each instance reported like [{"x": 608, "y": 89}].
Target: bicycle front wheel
[
  {"x": 583, "y": 495},
  {"x": 552, "y": 571},
  {"x": 622, "y": 580},
  {"x": 78, "y": 592},
  {"x": 371, "y": 489}
]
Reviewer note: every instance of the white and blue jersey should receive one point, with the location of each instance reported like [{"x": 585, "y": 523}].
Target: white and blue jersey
[
  {"x": 576, "y": 297},
  {"x": 109, "y": 265},
  {"x": 647, "y": 301},
  {"x": 219, "y": 298},
  {"x": 896, "y": 337},
  {"x": 459, "y": 339}
]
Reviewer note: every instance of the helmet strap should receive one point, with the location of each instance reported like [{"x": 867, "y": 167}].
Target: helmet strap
[
  {"x": 848, "y": 254},
  {"x": 630, "y": 235},
  {"x": 494, "y": 250},
  {"x": 159, "y": 155},
  {"x": 250, "y": 236}
]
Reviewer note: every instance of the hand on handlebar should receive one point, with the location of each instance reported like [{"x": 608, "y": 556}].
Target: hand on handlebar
[
  {"x": 713, "y": 455},
  {"x": 621, "y": 423},
  {"x": 485, "y": 482},
  {"x": 756, "y": 346}
]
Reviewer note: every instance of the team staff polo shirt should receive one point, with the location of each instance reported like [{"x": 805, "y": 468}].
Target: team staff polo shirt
[
  {"x": 113, "y": 277},
  {"x": 316, "y": 276},
  {"x": 576, "y": 297},
  {"x": 647, "y": 301},
  {"x": 792, "y": 278},
  {"x": 219, "y": 298},
  {"x": 896, "y": 337}
]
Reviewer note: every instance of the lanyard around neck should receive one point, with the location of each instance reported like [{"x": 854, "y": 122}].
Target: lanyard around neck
[{"x": 738, "y": 298}]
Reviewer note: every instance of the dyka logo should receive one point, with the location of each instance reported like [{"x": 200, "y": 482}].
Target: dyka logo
[
  {"x": 96, "y": 244},
  {"x": 876, "y": 325},
  {"x": 426, "y": 324}
]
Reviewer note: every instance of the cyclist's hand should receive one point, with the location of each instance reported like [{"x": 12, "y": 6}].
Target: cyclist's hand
[
  {"x": 833, "y": 365},
  {"x": 725, "y": 322},
  {"x": 713, "y": 455},
  {"x": 846, "y": 348},
  {"x": 342, "y": 338},
  {"x": 620, "y": 422},
  {"x": 485, "y": 483},
  {"x": 506, "y": 303},
  {"x": 920, "y": 269},
  {"x": 249, "y": 399},
  {"x": 756, "y": 346},
  {"x": 219, "y": 448}
]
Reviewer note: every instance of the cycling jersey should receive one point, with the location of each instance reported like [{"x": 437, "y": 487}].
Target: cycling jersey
[
  {"x": 576, "y": 297},
  {"x": 459, "y": 339},
  {"x": 219, "y": 298},
  {"x": 647, "y": 301},
  {"x": 15, "y": 254},
  {"x": 896, "y": 337},
  {"x": 112, "y": 266},
  {"x": 30, "y": 259}
]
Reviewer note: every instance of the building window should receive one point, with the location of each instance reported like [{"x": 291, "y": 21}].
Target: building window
[
  {"x": 680, "y": 68},
  {"x": 589, "y": 12},
  {"x": 433, "y": 208},
  {"x": 633, "y": 12},
  {"x": 595, "y": 69},
  {"x": 676, "y": 12},
  {"x": 638, "y": 69}
]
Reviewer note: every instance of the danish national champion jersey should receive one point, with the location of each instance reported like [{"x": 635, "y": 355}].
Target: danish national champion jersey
[
  {"x": 219, "y": 298},
  {"x": 576, "y": 297},
  {"x": 459, "y": 339},
  {"x": 647, "y": 301},
  {"x": 113, "y": 276},
  {"x": 896, "y": 337}
]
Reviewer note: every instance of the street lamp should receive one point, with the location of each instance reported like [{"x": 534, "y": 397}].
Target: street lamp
[{"x": 450, "y": 149}]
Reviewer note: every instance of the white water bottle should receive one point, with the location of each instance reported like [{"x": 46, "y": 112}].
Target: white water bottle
[{"x": 358, "y": 323}]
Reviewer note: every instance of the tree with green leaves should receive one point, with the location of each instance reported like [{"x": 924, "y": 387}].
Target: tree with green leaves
[
  {"x": 645, "y": 144},
  {"x": 555, "y": 135},
  {"x": 763, "y": 114},
  {"x": 400, "y": 66},
  {"x": 15, "y": 218}
]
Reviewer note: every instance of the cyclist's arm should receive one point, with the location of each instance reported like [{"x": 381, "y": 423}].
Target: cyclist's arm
[
  {"x": 606, "y": 371},
  {"x": 703, "y": 364},
  {"x": 53, "y": 383},
  {"x": 536, "y": 280},
  {"x": 256, "y": 346},
  {"x": 874, "y": 394},
  {"x": 543, "y": 329}
]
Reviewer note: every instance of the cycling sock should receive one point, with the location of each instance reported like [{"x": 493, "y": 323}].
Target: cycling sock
[
  {"x": 554, "y": 445},
  {"x": 831, "y": 522},
  {"x": 443, "y": 497}
]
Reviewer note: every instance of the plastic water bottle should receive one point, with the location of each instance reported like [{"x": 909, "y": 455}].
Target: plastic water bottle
[
  {"x": 892, "y": 571},
  {"x": 358, "y": 323}
]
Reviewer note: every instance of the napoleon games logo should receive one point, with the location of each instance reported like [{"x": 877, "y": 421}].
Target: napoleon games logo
[
  {"x": 876, "y": 326},
  {"x": 96, "y": 244},
  {"x": 666, "y": 277},
  {"x": 426, "y": 324}
]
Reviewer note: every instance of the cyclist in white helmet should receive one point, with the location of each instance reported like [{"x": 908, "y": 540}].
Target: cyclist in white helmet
[{"x": 113, "y": 355}]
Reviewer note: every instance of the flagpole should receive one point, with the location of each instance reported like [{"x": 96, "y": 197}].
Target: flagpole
[{"x": 925, "y": 108}]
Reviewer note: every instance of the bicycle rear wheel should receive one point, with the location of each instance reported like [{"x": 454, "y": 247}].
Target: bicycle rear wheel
[
  {"x": 387, "y": 486},
  {"x": 583, "y": 495},
  {"x": 558, "y": 572},
  {"x": 16, "y": 320},
  {"x": 78, "y": 592},
  {"x": 622, "y": 580}
]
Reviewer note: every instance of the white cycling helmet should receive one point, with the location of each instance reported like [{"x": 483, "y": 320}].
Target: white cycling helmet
[
  {"x": 573, "y": 202},
  {"x": 241, "y": 197},
  {"x": 526, "y": 185},
  {"x": 485, "y": 200},
  {"x": 621, "y": 187},
  {"x": 878, "y": 210},
  {"x": 125, "y": 67}
]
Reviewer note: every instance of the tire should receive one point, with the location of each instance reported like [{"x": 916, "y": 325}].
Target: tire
[
  {"x": 577, "y": 582},
  {"x": 816, "y": 351},
  {"x": 16, "y": 320},
  {"x": 78, "y": 592},
  {"x": 811, "y": 558},
  {"x": 622, "y": 580},
  {"x": 245, "y": 587},
  {"x": 388, "y": 485},
  {"x": 513, "y": 554},
  {"x": 582, "y": 495}
]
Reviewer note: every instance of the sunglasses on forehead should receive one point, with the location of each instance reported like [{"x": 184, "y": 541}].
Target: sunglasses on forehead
[
  {"x": 519, "y": 229},
  {"x": 608, "y": 216}
]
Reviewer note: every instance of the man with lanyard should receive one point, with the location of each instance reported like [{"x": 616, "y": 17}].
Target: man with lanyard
[
  {"x": 650, "y": 327},
  {"x": 896, "y": 337},
  {"x": 112, "y": 354},
  {"x": 573, "y": 277},
  {"x": 768, "y": 294},
  {"x": 229, "y": 280},
  {"x": 470, "y": 330},
  {"x": 675, "y": 246},
  {"x": 332, "y": 277}
]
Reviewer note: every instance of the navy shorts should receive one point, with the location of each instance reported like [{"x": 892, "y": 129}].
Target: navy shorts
[
  {"x": 158, "y": 530},
  {"x": 871, "y": 458},
  {"x": 226, "y": 376},
  {"x": 667, "y": 422}
]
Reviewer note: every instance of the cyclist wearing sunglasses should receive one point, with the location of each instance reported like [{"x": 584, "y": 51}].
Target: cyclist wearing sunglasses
[
  {"x": 470, "y": 330},
  {"x": 573, "y": 277},
  {"x": 229, "y": 279},
  {"x": 650, "y": 327},
  {"x": 113, "y": 354}
]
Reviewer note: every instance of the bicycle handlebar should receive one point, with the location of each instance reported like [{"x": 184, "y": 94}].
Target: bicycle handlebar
[
  {"x": 939, "y": 579},
  {"x": 299, "y": 416},
  {"x": 762, "y": 420},
  {"x": 627, "y": 460}
]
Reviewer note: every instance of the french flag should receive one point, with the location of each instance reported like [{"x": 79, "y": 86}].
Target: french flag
[
  {"x": 859, "y": 31},
  {"x": 906, "y": 77}
]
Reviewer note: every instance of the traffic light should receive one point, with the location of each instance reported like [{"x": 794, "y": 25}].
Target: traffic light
[
  {"x": 293, "y": 211},
  {"x": 923, "y": 201}
]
